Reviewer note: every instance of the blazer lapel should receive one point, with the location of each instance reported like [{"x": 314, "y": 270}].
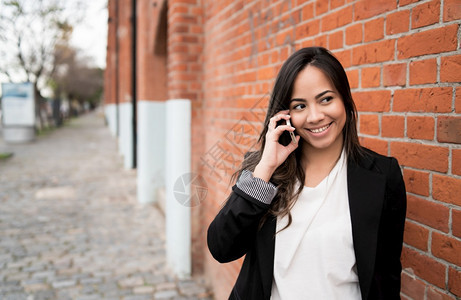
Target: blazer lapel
[
  {"x": 265, "y": 253},
  {"x": 366, "y": 197}
]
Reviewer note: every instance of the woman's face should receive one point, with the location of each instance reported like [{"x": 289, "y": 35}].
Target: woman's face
[{"x": 317, "y": 110}]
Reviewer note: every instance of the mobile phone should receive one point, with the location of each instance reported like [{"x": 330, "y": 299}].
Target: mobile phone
[{"x": 292, "y": 134}]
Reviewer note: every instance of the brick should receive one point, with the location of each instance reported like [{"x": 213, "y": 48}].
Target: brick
[
  {"x": 266, "y": 73},
  {"x": 392, "y": 126},
  {"x": 308, "y": 12},
  {"x": 321, "y": 7},
  {"x": 335, "y": 40},
  {"x": 425, "y": 14},
  {"x": 458, "y": 100},
  {"x": 185, "y": 2},
  {"x": 336, "y": 3},
  {"x": 449, "y": 129},
  {"x": 416, "y": 236},
  {"x": 446, "y": 189},
  {"x": 376, "y": 145},
  {"x": 412, "y": 287},
  {"x": 376, "y": 101},
  {"x": 344, "y": 57},
  {"x": 353, "y": 78},
  {"x": 424, "y": 267},
  {"x": 404, "y": 297},
  {"x": 369, "y": 124},
  {"x": 428, "y": 213},
  {"x": 354, "y": 34},
  {"x": 374, "y": 30},
  {"x": 456, "y": 161},
  {"x": 446, "y": 248},
  {"x": 454, "y": 282},
  {"x": 420, "y": 156},
  {"x": 416, "y": 182},
  {"x": 450, "y": 69},
  {"x": 179, "y": 8},
  {"x": 436, "y": 100},
  {"x": 451, "y": 10},
  {"x": 321, "y": 41},
  {"x": 371, "y": 77},
  {"x": 420, "y": 128},
  {"x": 309, "y": 29},
  {"x": 398, "y": 22},
  {"x": 423, "y": 71},
  {"x": 434, "y": 294},
  {"x": 337, "y": 19},
  {"x": 395, "y": 74},
  {"x": 367, "y": 9},
  {"x": 375, "y": 52},
  {"x": 431, "y": 41},
  {"x": 406, "y": 2}
]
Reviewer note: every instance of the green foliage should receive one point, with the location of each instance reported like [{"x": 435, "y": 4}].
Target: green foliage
[{"x": 5, "y": 155}]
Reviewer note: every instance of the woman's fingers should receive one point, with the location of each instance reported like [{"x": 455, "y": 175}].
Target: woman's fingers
[
  {"x": 277, "y": 132},
  {"x": 279, "y": 116},
  {"x": 292, "y": 146},
  {"x": 281, "y": 128}
]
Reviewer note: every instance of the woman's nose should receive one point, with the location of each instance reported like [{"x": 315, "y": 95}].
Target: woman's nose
[{"x": 314, "y": 114}]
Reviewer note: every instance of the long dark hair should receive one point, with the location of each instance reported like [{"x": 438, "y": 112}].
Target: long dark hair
[{"x": 284, "y": 175}]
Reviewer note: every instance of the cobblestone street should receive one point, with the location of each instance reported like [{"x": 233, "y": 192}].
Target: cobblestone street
[{"x": 71, "y": 227}]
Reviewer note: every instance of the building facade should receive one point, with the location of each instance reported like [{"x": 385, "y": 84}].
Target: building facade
[{"x": 201, "y": 71}]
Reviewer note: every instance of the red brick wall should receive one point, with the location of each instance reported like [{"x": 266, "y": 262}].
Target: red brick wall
[
  {"x": 124, "y": 33},
  {"x": 119, "y": 68},
  {"x": 110, "y": 73},
  {"x": 403, "y": 62},
  {"x": 151, "y": 50}
]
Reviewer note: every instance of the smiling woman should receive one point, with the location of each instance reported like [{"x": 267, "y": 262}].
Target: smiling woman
[
  {"x": 318, "y": 114},
  {"x": 336, "y": 209}
]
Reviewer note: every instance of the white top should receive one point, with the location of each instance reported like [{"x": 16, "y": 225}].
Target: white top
[{"x": 314, "y": 256}]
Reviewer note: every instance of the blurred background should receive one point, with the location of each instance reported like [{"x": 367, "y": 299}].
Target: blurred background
[{"x": 59, "y": 47}]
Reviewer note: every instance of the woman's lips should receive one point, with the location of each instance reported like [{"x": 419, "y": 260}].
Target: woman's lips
[{"x": 319, "y": 129}]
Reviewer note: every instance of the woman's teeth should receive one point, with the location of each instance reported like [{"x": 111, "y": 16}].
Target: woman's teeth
[{"x": 318, "y": 130}]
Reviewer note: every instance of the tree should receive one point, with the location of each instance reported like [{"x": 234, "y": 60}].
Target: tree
[
  {"x": 29, "y": 33},
  {"x": 75, "y": 77}
]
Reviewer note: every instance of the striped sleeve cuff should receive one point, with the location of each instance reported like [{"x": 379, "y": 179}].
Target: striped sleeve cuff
[{"x": 256, "y": 187}]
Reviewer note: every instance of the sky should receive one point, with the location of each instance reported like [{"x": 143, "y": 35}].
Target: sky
[{"x": 91, "y": 34}]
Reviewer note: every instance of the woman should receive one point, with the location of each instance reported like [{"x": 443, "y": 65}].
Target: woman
[{"x": 317, "y": 216}]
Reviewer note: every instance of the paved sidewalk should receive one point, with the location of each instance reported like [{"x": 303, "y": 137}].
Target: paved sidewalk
[{"x": 70, "y": 226}]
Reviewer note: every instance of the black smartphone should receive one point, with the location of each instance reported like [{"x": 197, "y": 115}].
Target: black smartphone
[{"x": 286, "y": 137}]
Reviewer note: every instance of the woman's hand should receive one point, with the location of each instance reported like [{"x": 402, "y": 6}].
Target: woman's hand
[{"x": 274, "y": 153}]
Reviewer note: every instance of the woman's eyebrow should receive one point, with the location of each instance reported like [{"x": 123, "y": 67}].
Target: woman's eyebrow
[
  {"x": 323, "y": 93},
  {"x": 316, "y": 97},
  {"x": 298, "y": 99}
]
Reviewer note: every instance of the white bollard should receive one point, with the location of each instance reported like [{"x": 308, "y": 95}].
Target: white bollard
[
  {"x": 178, "y": 164},
  {"x": 111, "y": 117},
  {"x": 151, "y": 150},
  {"x": 126, "y": 133}
]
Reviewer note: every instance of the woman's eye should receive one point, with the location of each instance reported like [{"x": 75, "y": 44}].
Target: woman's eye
[
  {"x": 327, "y": 99},
  {"x": 298, "y": 106}
]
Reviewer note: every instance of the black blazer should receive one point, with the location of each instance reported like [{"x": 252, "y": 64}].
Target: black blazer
[{"x": 377, "y": 202}]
